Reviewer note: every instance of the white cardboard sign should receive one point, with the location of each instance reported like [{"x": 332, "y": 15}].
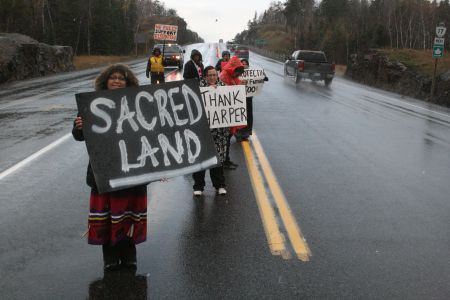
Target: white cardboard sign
[
  {"x": 255, "y": 81},
  {"x": 225, "y": 106},
  {"x": 165, "y": 32}
]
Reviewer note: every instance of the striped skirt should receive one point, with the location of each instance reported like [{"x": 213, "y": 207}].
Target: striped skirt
[{"x": 119, "y": 215}]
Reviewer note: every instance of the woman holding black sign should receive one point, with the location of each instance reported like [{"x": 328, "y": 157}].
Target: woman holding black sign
[
  {"x": 117, "y": 220},
  {"x": 220, "y": 136}
]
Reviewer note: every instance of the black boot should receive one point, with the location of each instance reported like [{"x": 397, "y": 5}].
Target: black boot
[
  {"x": 128, "y": 254},
  {"x": 110, "y": 257}
]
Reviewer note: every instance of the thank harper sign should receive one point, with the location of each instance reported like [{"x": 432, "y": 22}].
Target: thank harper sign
[
  {"x": 142, "y": 134},
  {"x": 225, "y": 105}
]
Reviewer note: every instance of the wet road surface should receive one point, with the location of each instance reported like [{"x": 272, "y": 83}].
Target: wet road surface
[{"x": 364, "y": 172}]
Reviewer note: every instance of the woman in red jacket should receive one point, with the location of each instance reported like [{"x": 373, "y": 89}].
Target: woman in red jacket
[{"x": 231, "y": 72}]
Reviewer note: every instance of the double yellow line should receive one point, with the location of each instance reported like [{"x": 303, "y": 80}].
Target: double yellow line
[{"x": 275, "y": 238}]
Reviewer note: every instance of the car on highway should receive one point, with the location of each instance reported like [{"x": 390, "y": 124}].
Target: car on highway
[
  {"x": 173, "y": 55},
  {"x": 231, "y": 47},
  {"x": 241, "y": 52},
  {"x": 307, "y": 64}
]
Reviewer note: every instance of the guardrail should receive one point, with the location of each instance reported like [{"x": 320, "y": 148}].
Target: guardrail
[{"x": 271, "y": 54}]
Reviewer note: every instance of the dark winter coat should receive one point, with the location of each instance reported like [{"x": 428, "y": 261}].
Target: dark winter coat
[
  {"x": 219, "y": 64},
  {"x": 190, "y": 70},
  {"x": 90, "y": 179}
]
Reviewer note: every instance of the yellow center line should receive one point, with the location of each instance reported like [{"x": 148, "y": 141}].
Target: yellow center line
[
  {"x": 274, "y": 236},
  {"x": 296, "y": 237}
]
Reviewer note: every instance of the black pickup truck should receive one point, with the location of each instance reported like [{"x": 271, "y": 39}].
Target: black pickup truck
[{"x": 309, "y": 64}]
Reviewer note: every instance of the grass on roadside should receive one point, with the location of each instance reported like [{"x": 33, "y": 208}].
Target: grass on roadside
[
  {"x": 86, "y": 62},
  {"x": 419, "y": 60}
]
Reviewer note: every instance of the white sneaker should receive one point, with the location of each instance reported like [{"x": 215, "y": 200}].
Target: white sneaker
[
  {"x": 222, "y": 191},
  {"x": 198, "y": 193}
]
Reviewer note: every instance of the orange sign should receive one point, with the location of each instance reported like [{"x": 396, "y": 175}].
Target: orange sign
[{"x": 165, "y": 32}]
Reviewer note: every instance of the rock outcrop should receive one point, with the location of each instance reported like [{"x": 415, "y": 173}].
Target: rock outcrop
[
  {"x": 442, "y": 92},
  {"x": 375, "y": 69},
  {"x": 22, "y": 57}
]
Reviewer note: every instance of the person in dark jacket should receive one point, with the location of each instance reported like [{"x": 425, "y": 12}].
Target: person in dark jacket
[
  {"x": 225, "y": 58},
  {"x": 194, "y": 67},
  {"x": 244, "y": 133},
  {"x": 117, "y": 220}
]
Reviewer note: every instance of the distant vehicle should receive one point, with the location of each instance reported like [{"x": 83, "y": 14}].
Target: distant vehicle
[
  {"x": 173, "y": 55},
  {"x": 231, "y": 47},
  {"x": 221, "y": 41},
  {"x": 241, "y": 52},
  {"x": 309, "y": 64}
]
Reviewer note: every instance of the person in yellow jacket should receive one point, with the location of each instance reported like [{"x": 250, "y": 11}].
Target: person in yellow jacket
[{"x": 155, "y": 67}]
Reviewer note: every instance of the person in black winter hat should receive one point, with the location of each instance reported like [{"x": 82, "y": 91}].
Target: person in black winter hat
[
  {"x": 194, "y": 67},
  {"x": 225, "y": 58}
]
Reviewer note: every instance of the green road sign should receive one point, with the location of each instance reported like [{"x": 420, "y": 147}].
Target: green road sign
[
  {"x": 260, "y": 42},
  {"x": 438, "y": 51}
]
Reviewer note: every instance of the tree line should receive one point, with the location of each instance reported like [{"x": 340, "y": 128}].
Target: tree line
[
  {"x": 103, "y": 27},
  {"x": 343, "y": 27}
]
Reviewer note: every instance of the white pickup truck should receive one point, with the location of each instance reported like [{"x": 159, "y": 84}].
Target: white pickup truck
[{"x": 308, "y": 64}]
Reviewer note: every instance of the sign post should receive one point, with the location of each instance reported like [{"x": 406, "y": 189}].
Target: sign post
[{"x": 438, "y": 51}]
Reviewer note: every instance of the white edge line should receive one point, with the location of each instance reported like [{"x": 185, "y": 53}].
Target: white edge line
[
  {"x": 34, "y": 156},
  {"x": 120, "y": 182}
]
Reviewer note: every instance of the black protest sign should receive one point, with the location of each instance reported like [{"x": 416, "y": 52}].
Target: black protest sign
[{"x": 141, "y": 134}]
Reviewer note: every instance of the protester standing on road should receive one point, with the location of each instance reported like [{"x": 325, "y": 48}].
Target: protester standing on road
[
  {"x": 117, "y": 220},
  {"x": 244, "y": 133},
  {"x": 223, "y": 61},
  {"x": 230, "y": 76},
  {"x": 220, "y": 137},
  {"x": 194, "y": 67},
  {"x": 155, "y": 66}
]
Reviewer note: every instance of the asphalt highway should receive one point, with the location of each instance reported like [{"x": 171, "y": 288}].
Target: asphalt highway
[{"x": 341, "y": 193}]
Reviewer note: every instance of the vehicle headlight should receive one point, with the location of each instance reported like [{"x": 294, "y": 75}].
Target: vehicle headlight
[{"x": 177, "y": 57}]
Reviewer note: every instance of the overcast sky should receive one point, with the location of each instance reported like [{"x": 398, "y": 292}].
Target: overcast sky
[{"x": 232, "y": 16}]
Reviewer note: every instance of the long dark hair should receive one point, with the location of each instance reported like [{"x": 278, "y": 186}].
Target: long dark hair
[{"x": 101, "y": 82}]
